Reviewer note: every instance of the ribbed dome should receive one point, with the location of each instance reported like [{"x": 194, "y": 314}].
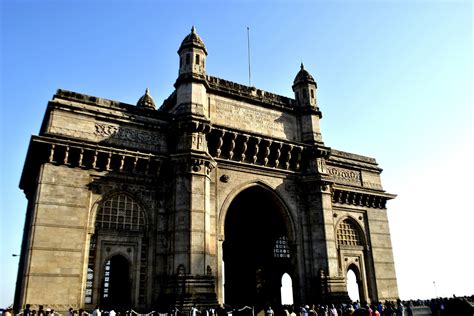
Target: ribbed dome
[
  {"x": 146, "y": 101},
  {"x": 192, "y": 40},
  {"x": 303, "y": 77}
]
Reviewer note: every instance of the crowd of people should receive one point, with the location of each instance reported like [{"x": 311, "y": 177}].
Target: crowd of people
[{"x": 456, "y": 306}]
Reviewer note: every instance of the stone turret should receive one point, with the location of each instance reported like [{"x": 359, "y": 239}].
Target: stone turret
[
  {"x": 305, "y": 87},
  {"x": 190, "y": 89},
  {"x": 192, "y": 55}
]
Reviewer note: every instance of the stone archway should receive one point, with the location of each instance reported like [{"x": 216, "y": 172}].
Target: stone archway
[
  {"x": 257, "y": 248},
  {"x": 353, "y": 283}
]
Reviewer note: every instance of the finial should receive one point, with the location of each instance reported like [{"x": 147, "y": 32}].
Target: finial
[
  {"x": 147, "y": 91},
  {"x": 302, "y": 66},
  {"x": 193, "y": 30}
]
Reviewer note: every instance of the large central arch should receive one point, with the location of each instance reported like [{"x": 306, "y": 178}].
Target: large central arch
[{"x": 257, "y": 249}]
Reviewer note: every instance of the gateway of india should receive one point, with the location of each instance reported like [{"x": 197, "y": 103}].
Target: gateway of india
[{"x": 223, "y": 194}]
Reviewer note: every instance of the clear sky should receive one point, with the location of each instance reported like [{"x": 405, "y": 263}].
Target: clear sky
[{"x": 395, "y": 82}]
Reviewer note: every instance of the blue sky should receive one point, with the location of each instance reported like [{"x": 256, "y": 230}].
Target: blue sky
[{"x": 395, "y": 82}]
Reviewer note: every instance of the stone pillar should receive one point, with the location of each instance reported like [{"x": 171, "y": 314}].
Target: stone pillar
[
  {"x": 324, "y": 282},
  {"x": 193, "y": 261}
]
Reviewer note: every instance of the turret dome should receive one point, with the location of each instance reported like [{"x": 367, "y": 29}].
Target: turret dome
[
  {"x": 303, "y": 77},
  {"x": 192, "y": 40},
  {"x": 146, "y": 101}
]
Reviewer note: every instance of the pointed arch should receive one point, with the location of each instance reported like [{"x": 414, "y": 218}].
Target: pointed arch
[
  {"x": 350, "y": 233},
  {"x": 286, "y": 289},
  {"x": 353, "y": 282},
  {"x": 129, "y": 201},
  {"x": 286, "y": 211},
  {"x": 256, "y": 224}
]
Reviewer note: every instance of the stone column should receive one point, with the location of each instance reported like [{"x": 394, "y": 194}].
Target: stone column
[
  {"x": 193, "y": 259},
  {"x": 323, "y": 282}
]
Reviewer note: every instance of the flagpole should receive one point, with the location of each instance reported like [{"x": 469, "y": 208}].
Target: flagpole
[{"x": 248, "y": 53}]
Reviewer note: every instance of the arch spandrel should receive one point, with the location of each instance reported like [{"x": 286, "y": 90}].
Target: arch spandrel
[{"x": 289, "y": 213}]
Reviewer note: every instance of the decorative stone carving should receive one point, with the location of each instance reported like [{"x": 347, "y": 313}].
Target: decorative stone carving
[
  {"x": 224, "y": 178},
  {"x": 244, "y": 148},
  {"x": 341, "y": 175},
  {"x": 232, "y": 137},
  {"x": 266, "y": 152},
  {"x": 255, "y": 152},
  {"x": 277, "y": 154},
  {"x": 124, "y": 133}
]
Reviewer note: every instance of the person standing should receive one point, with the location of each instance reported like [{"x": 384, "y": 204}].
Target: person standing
[
  {"x": 27, "y": 310},
  {"x": 96, "y": 311},
  {"x": 41, "y": 310},
  {"x": 400, "y": 308},
  {"x": 269, "y": 311},
  {"x": 193, "y": 311}
]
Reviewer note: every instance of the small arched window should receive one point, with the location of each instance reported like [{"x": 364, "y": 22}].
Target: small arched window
[
  {"x": 348, "y": 234},
  {"x": 197, "y": 59},
  {"x": 120, "y": 212}
]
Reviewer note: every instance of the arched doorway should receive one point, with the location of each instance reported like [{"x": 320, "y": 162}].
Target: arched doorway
[
  {"x": 286, "y": 290},
  {"x": 120, "y": 228},
  {"x": 116, "y": 285},
  {"x": 353, "y": 284},
  {"x": 256, "y": 250}
]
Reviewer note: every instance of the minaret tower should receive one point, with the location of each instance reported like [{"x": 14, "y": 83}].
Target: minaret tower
[{"x": 304, "y": 87}]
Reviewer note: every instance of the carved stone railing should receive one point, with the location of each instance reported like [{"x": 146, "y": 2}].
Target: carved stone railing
[{"x": 255, "y": 150}]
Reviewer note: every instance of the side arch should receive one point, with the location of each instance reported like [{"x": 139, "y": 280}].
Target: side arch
[{"x": 106, "y": 240}]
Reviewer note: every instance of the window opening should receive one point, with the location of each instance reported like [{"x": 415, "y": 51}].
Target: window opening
[
  {"x": 348, "y": 234},
  {"x": 120, "y": 212},
  {"x": 90, "y": 271},
  {"x": 282, "y": 248},
  {"x": 105, "y": 290}
]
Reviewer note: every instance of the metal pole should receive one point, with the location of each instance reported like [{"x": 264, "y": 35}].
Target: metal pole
[
  {"x": 436, "y": 292},
  {"x": 248, "y": 53}
]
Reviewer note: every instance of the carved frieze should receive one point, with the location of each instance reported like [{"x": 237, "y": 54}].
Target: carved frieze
[
  {"x": 124, "y": 133},
  {"x": 346, "y": 176}
]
